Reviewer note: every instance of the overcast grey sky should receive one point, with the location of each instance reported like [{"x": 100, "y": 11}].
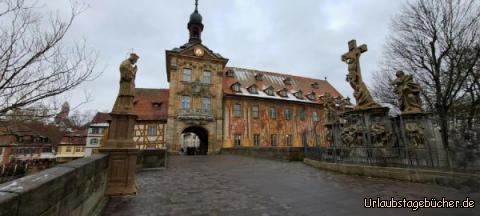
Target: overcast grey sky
[{"x": 301, "y": 37}]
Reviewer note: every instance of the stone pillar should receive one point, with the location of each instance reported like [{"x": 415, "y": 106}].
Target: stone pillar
[{"x": 123, "y": 154}]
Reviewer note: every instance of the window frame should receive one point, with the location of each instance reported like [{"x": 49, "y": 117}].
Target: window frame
[
  {"x": 287, "y": 113},
  {"x": 272, "y": 112},
  {"x": 289, "y": 140},
  {"x": 184, "y": 101},
  {"x": 236, "y": 87},
  {"x": 93, "y": 141},
  {"x": 189, "y": 75},
  {"x": 301, "y": 114},
  {"x": 206, "y": 104},
  {"x": 256, "y": 139},
  {"x": 269, "y": 91},
  {"x": 95, "y": 130},
  {"x": 253, "y": 89},
  {"x": 257, "y": 112},
  {"x": 315, "y": 117},
  {"x": 273, "y": 140},
  {"x": 151, "y": 128},
  {"x": 205, "y": 81},
  {"x": 237, "y": 113}
]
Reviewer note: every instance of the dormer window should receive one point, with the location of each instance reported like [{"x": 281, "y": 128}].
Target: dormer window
[
  {"x": 269, "y": 91},
  {"x": 283, "y": 93},
  {"x": 157, "y": 105},
  {"x": 298, "y": 95},
  {"x": 288, "y": 81},
  {"x": 312, "y": 96},
  {"x": 236, "y": 87},
  {"x": 253, "y": 89},
  {"x": 259, "y": 77},
  {"x": 315, "y": 85},
  {"x": 229, "y": 73}
]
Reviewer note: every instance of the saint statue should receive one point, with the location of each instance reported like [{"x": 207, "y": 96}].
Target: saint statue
[
  {"x": 330, "y": 107},
  {"x": 126, "y": 94},
  {"x": 354, "y": 77},
  {"x": 408, "y": 92}
]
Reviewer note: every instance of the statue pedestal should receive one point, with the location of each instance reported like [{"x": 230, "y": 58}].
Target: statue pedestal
[
  {"x": 122, "y": 170},
  {"x": 123, "y": 154},
  {"x": 369, "y": 127},
  {"x": 417, "y": 136},
  {"x": 366, "y": 135}
]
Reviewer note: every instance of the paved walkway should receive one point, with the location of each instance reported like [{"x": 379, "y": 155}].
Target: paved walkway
[{"x": 234, "y": 185}]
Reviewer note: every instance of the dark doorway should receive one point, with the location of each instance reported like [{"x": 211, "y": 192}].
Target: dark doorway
[{"x": 194, "y": 141}]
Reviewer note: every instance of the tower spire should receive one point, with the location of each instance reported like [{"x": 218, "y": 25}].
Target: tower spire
[{"x": 195, "y": 26}]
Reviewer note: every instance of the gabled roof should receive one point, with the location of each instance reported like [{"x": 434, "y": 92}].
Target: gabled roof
[
  {"x": 100, "y": 117},
  {"x": 246, "y": 78},
  {"x": 189, "y": 45},
  {"x": 188, "y": 50},
  {"x": 151, "y": 104}
]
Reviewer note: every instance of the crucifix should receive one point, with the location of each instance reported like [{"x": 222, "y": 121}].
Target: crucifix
[{"x": 354, "y": 76}]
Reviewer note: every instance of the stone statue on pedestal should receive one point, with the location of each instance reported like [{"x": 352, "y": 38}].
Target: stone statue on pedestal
[
  {"x": 126, "y": 94},
  {"x": 354, "y": 77},
  {"x": 408, "y": 92},
  {"x": 119, "y": 140}
]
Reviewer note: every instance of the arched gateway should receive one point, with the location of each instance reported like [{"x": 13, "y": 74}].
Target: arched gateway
[{"x": 195, "y": 141}]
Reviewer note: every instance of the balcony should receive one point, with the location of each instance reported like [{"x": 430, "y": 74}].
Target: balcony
[{"x": 195, "y": 116}]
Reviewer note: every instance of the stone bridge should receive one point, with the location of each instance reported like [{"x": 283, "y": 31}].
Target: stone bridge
[
  {"x": 215, "y": 185},
  {"x": 236, "y": 185}
]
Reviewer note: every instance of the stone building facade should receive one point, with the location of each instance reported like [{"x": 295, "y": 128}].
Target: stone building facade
[{"x": 226, "y": 106}]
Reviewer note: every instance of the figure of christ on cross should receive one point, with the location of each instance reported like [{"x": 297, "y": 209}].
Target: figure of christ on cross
[{"x": 354, "y": 77}]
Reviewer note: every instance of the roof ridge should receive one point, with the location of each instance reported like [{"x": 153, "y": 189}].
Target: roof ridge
[
  {"x": 152, "y": 89},
  {"x": 278, "y": 73}
]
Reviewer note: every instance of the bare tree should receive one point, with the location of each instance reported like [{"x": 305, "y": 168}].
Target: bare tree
[
  {"x": 35, "y": 62},
  {"x": 437, "y": 41},
  {"x": 382, "y": 90},
  {"x": 80, "y": 118}
]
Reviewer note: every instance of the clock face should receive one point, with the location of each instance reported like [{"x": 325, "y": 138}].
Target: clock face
[{"x": 198, "y": 52}]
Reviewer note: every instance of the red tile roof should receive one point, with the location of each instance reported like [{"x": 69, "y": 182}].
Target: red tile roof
[
  {"x": 100, "y": 117},
  {"x": 246, "y": 78},
  {"x": 151, "y": 104}
]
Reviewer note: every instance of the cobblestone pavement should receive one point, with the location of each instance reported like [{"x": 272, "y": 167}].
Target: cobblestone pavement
[{"x": 235, "y": 185}]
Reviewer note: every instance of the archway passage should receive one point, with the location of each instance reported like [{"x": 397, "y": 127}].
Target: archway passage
[{"x": 194, "y": 141}]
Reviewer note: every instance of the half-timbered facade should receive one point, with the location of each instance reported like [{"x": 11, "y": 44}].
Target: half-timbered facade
[{"x": 151, "y": 108}]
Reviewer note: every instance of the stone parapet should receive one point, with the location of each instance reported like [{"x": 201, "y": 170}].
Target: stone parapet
[
  {"x": 458, "y": 180},
  {"x": 74, "y": 188}
]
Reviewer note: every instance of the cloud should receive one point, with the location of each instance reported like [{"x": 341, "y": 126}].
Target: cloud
[{"x": 300, "y": 37}]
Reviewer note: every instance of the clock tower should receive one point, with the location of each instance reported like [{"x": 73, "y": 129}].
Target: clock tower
[{"x": 195, "y": 75}]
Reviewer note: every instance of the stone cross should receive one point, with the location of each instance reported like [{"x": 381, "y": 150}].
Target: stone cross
[
  {"x": 354, "y": 77},
  {"x": 354, "y": 53}
]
